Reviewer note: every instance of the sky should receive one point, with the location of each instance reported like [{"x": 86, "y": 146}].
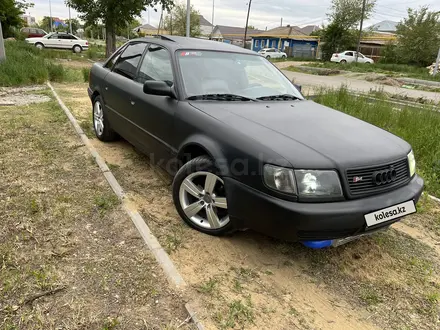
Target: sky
[{"x": 264, "y": 13}]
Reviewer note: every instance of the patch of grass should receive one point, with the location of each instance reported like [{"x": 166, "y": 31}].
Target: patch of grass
[
  {"x": 389, "y": 69},
  {"x": 87, "y": 128},
  {"x": 208, "y": 287},
  {"x": 238, "y": 314},
  {"x": 370, "y": 296},
  {"x": 26, "y": 65},
  {"x": 174, "y": 240},
  {"x": 106, "y": 202},
  {"x": 419, "y": 127},
  {"x": 111, "y": 324},
  {"x": 85, "y": 73},
  {"x": 296, "y": 59}
]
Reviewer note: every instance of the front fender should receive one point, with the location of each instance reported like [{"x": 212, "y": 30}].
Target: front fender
[{"x": 210, "y": 146}]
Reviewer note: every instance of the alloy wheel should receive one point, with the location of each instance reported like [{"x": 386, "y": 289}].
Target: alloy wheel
[
  {"x": 98, "y": 118},
  {"x": 203, "y": 200}
]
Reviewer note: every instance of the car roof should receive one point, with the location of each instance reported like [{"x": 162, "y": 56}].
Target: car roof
[{"x": 176, "y": 42}]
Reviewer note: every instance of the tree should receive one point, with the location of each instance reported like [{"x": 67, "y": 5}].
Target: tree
[
  {"x": 128, "y": 29},
  {"x": 348, "y": 13},
  {"x": 10, "y": 12},
  {"x": 175, "y": 22},
  {"x": 75, "y": 25},
  {"x": 342, "y": 31},
  {"x": 113, "y": 14},
  {"x": 45, "y": 24},
  {"x": 418, "y": 37},
  {"x": 251, "y": 27}
]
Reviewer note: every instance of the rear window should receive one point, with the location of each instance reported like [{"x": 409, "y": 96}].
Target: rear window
[{"x": 129, "y": 60}]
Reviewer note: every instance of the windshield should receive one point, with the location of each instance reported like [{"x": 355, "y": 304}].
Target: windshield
[{"x": 251, "y": 76}]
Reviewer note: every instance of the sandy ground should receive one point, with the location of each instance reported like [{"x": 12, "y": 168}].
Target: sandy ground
[{"x": 251, "y": 281}]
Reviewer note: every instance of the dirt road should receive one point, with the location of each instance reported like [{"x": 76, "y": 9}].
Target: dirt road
[
  {"x": 386, "y": 281},
  {"x": 314, "y": 82}
]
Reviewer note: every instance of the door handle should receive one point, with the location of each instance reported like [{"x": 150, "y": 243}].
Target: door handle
[{"x": 132, "y": 102}]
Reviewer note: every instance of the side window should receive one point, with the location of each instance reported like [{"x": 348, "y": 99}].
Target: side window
[
  {"x": 349, "y": 54},
  {"x": 114, "y": 58},
  {"x": 128, "y": 62},
  {"x": 156, "y": 65},
  {"x": 54, "y": 36},
  {"x": 33, "y": 31},
  {"x": 26, "y": 30}
]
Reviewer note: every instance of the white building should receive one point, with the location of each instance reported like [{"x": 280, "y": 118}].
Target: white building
[{"x": 30, "y": 20}]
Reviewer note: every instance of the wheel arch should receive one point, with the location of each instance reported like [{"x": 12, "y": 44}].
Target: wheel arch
[{"x": 200, "y": 145}]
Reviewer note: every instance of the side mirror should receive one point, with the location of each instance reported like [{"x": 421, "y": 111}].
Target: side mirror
[
  {"x": 157, "y": 87},
  {"x": 298, "y": 87}
]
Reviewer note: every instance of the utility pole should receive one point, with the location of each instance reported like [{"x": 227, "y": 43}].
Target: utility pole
[
  {"x": 50, "y": 16},
  {"x": 435, "y": 67},
  {"x": 247, "y": 21},
  {"x": 160, "y": 22},
  {"x": 212, "y": 18},
  {"x": 2, "y": 45},
  {"x": 281, "y": 21},
  {"x": 171, "y": 22},
  {"x": 188, "y": 18},
  {"x": 360, "y": 30},
  {"x": 70, "y": 22}
]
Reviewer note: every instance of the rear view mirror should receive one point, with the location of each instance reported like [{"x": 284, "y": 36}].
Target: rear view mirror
[
  {"x": 161, "y": 88},
  {"x": 298, "y": 87}
]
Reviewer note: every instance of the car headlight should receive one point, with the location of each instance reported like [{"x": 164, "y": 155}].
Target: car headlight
[
  {"x": 280, "y": 178},
  {"x": 318, "y": 183},
  {"x": 411, "y": 164}
]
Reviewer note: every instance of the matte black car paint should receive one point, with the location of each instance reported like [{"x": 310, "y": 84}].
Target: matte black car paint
[{"x": 243, "y": 136}]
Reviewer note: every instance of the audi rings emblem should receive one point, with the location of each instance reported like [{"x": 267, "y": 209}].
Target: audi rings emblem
[{"x": 384, "y": 176}]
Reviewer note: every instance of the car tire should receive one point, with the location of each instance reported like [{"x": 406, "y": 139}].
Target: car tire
[
  {"x": 284, "y": 57},
  {"x": 101, "y": 125},
  {"x": 268, "y": 57},
  {"x": 39, "y": 45},
  {"x": 77, "y": 49},
  {"x": 200, "y": 199},
  {"x": 343, "y": 62}
]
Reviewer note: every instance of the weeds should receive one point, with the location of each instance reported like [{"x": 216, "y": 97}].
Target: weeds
[
  {"x": 26, "y": 65},
  {"x": 390, "y": 69},
  {"x": 209, "y": 287},
  {"x": 238, "y": 313},
  {"x": 106, "y": 202},
  {"x": 419, "y": 127}
]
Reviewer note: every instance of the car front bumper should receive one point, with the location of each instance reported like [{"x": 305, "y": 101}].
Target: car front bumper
[{"x": 293, "y": 221}]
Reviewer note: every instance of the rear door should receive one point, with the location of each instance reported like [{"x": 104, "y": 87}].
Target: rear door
[
  {"x": 119, "y": 85},
  {"x": 154, "y": 114},
  {"x": 348, "y": 56}
]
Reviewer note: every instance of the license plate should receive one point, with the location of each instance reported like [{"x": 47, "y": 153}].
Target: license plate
[{"x": 390, "y": 213}]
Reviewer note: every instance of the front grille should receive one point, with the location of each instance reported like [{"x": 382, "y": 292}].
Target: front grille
[{"x": 366, "y": 186}]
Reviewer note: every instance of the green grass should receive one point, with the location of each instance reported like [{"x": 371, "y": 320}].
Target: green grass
[
  {"x": 419, "y": 127},
  {"x": 296, "y": 59},
  {"x": 401, "y": 70},
  {"x": 27, "y": 65}
]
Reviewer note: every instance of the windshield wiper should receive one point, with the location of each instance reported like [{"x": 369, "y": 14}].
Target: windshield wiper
[
  {"x": 221, "y": 97},
  {"x": 281, "y": 97}
]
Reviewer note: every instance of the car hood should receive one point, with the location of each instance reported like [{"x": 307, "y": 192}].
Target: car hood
[{"x": 309, "y": 135}]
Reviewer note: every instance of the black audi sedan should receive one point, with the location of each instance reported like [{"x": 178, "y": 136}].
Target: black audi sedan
[{"x": 246, "y": 149}]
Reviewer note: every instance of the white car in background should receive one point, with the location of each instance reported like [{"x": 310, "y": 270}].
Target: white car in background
[
  {"x": 272, "y": 53},
  {"x": 60, "y": 40},
  {"x": 350, "y": 57}
]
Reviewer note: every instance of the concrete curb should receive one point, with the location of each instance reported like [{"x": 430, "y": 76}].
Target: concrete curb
[{"x": 150, "y": 240}]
